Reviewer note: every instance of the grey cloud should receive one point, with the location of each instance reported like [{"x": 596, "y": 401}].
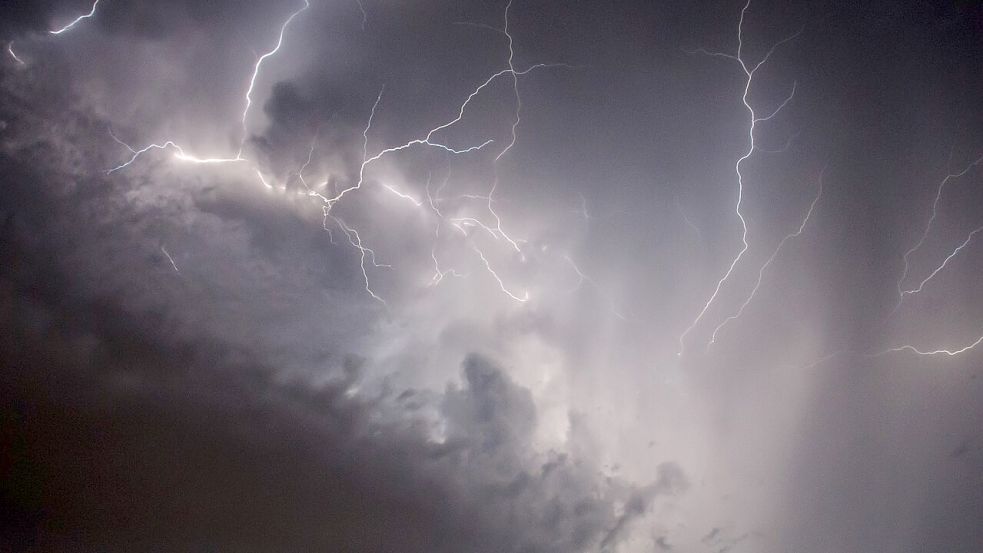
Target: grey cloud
[
  {"x": 123, "y": 387},
  {"x": 259, "y": 399},
  {"x": 228, "y": 458}
]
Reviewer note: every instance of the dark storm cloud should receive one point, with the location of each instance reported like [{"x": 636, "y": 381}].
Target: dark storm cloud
[
  {"x": 118, "y": 439},
  {"x": 132, "y": 421},
  {"x": 254, "y": 397}
]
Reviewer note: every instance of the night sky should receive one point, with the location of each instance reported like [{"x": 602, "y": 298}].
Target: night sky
[{"x": 444, "y": 276}]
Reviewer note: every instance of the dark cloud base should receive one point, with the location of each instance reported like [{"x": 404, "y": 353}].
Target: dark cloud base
[{"x": 113, "y": 443}]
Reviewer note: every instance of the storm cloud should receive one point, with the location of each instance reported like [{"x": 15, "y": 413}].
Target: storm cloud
[{"x": 428, "y": 276}]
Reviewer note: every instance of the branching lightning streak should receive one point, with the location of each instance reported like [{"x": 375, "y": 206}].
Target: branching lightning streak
[
  {"x": 754, "y": 119},
  {"x": 169, "y": 258},
  {"x": 77, "y": 20},
  {"x": 428, "y": 140},
  {"x": 311, "y": 191},
  {"x": 925, "y": 232},
  {"x": 367, "y": 255},
  {"x": 438, "y": 274},
  {"x": 761, "y": 272},
  {"x": 902, "y": 293},
  {"x": 356, "y": 241},
  {"x": 179, "y": 154},
  {"x": 515, "y": 125}
]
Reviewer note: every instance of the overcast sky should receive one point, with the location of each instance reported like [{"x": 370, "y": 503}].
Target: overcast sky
[{"x": 443, "y": 276}]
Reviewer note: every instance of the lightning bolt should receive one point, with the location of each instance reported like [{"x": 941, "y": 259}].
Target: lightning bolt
[
  {"x": 913, "y": 349},
  {"x": 899, "y": 349},
  {"x": 754, "y": 119},
  {"x": 428, "y": 140},
  {"x": 77, "y": 20},
  {"x": 521, "y": 299},
  {"x": 902, "y": 292},
  {"x": 515, "y": 126},
  {"x": 179, "y": 154},
  {"x": 169, "y": 258},
  {"x": 365, "y": 16},
  {"x": 945, "y": 262},
  {"x": 259, "y": 64},
  {"x": 367, "y": 255},
  {"x": 438, "y": 273},
  {"x": 356, "y": 241},
  {"x": 761, "y": 271},
  {"x": 924, "y": 235},
  {"x": 10, "y": 50}
]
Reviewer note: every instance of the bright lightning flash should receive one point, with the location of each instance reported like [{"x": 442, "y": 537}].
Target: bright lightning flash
[
  {"x": 761, "y": 272},
  {"x": 753, "y": 120},
  {"x": 367, "y": 255},
  {"x": 77, "y": 20},
  {"x": 924, "y": 235}
]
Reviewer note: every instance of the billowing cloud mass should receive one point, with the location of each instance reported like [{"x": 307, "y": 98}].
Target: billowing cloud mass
[{"x": 490, "y": 276}]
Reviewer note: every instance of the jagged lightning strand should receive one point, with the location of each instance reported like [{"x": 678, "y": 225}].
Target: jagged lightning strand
[
  {"x": 77, "y": 20},
  {"x": 925, "y": 232},
  {"x": 179, "y": 154},
  {"x": 945, "y": 262},
  {"x": 761, "y": 272},
  {"x": 428, "y": 139},
  {"x": 169, "y": 258},
  {"x": 10, "y": 50},
  {"x": 754, "y": 119},
  {"x": 356, "y": 241},
  {"x": 120, "y": 142},
  {"x": 438, "y": 273},
  {"x": 913, "y": 349},
  {"x": 521, "y": 299},
  {"x": 259, "y": 64},
  {"x": 515, "y": 126},
  {"x": 898, "y": 349}
]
